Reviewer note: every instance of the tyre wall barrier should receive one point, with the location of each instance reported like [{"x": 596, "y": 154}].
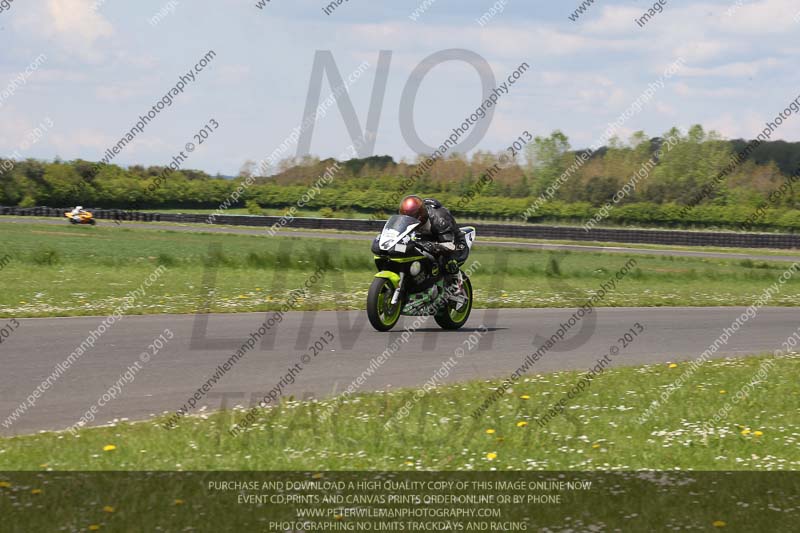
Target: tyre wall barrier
[{"x": 530, "y": 231}]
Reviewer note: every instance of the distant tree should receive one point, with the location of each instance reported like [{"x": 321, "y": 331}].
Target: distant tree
[
  {"x": 63, "y": 186},
  {"x": 376, "y": 163},
  {"x": 85, "y": 169},
  {"x": 248, "y": 169},
  {"x": 253, "y": 208},
  {"x": 546, "y": 159}
]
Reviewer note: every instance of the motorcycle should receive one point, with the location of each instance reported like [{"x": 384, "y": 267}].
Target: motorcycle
[
  {"x": 81, "y": 218},
  {"x": 410, "y": 280}
]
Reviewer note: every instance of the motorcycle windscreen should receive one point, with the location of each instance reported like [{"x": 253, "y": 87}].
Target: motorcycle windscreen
[{"x": 396, "y": 230}]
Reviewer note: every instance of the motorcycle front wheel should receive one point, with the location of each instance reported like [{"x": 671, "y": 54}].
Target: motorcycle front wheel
[
  {"x": 381, "y": 313},
  {"x": 453, "y": 317}
]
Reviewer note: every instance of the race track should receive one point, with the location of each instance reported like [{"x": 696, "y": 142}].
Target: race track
[
  {"x": 494, "y": 242},
  {"x": 176, "y": 372}
]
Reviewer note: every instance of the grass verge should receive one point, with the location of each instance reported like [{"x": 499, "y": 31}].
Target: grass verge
[
  {"x": 73, "y": 271},
  {"x": 599, "y": 430}
]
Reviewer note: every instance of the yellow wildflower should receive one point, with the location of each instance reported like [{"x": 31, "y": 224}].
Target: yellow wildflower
[
  {"x": 109, "y": 448},
  {"x": 490, "y": 432},
  {"x": 491, "y": 456},
  {"x": 521, "y": 424}
]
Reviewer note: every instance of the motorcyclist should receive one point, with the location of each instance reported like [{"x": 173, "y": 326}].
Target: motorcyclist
[
  {"x": 78, "y": 211},
  {"x": 441, "y": 236}
]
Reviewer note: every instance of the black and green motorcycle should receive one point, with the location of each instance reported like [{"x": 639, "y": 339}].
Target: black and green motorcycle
[{"x": 410, "y": 280}]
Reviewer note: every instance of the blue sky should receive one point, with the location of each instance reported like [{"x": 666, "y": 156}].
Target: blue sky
[{"x": 105, "y": 67}]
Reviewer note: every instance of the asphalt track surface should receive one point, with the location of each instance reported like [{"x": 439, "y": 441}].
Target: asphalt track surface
[
  {"x": 165, "y": 383},
  {"x": 203, "y": 228}
]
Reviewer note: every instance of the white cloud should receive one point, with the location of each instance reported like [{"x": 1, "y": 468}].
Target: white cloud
[
  {"x": 61, "y": 76},
  {"x": 665, "y": 109},
  {"x": 72, "y": 24},
  {"x": 613, "y": 19},
  {"x": 13, "y": 129},
  {"x": 118, "y": 93},
  {"x": 734, "y": 126},
  {"x": 235, "y": 74},
  {"x": 737, "y": 69},
  {"x": 498, "y": 40},
  {"x": 762, "y": 18},
  {"x": 77, "y": 142},
  {"x": 542, "y": 40},
  {"x": 561, "y": 77},
  {"x": 703, "y": 30},
  {"x": 703, "y": 50},
  {"x": 684, "y": 89},
  {"x": 90, "y": 144},
  {"x": 136, "y": 59}
]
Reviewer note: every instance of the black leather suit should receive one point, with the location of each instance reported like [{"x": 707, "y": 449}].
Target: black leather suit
[{"x": 441, "y": 227}]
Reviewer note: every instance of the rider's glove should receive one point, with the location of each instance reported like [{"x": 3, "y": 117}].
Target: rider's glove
[{"x": 428, "y": 246}]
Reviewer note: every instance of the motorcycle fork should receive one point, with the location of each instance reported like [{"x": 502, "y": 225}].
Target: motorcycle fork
[{"x": 398, "y": 291}]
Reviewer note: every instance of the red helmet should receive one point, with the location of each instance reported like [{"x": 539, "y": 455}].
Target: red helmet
[{"x": 414, "y": 206}]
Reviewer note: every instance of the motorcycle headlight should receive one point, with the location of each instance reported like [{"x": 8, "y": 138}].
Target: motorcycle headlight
[{"x": 415, "y": 268}]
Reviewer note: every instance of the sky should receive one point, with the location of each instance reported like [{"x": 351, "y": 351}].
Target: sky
[{"x": 103, "y": 63}]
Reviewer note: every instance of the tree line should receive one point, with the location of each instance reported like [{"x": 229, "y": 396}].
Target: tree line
[{"x": 664, "y": 195}]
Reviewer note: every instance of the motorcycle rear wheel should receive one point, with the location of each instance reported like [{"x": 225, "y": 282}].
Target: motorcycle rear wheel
[
  {"x": 381, "y": 313},
  {"x": 453, "y": 318}
]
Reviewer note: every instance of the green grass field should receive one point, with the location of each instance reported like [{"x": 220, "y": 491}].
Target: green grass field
[
  {"x": 600, "y": 429},
  {"x": 143, "y": 477},
  {"x": 68, "y": 271},
  {"x": 65, "y": 271}
]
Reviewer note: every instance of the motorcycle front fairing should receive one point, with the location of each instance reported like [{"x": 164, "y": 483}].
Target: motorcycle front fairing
[
  {"x": 396, "y": 235},
  {"x": 394, "y": 246},
  {"x": 397, "y": 257}
]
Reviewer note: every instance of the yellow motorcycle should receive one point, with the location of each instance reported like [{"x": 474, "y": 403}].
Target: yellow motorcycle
[{"x": 81, "y": 218}]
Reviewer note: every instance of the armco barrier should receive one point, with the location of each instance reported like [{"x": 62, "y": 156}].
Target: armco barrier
[{"x": 530, "y": 231}]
